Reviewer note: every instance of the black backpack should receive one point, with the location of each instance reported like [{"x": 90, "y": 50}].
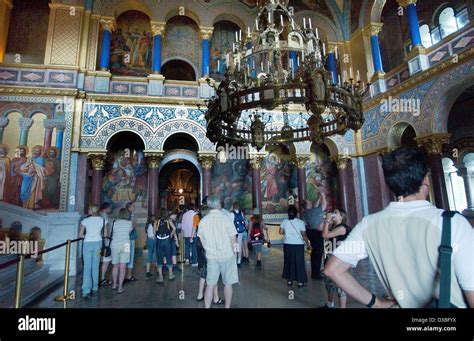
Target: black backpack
[{"x": 163, "y": 230}]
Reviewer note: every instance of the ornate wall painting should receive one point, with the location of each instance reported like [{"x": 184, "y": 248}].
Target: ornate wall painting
[{"x": 132, "y": 45}]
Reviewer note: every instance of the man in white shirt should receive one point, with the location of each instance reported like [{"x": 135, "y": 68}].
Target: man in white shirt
[
  {"x": 218, "y": 237},
  {"x": 402, "y": 242}
]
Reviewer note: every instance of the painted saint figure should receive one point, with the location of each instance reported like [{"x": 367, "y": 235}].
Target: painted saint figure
[
  {"x": 33, "y": 173},
  {"x": 52, "y": 172},
  {"x": 16, "y": 179},
  {"x": 4, "y": 172}
]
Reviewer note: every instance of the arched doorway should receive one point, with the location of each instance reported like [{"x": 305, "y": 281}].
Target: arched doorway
[
  {"x": 179, "y": 176},
  {"x": 178, "y": 70},
  {"x": 125, "y": 173}
]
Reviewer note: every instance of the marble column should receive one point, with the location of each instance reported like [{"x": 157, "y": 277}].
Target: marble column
[
  {"x": 378, "y": 193},
  {"x": 332, "y": 64},
  {"x": 206, "y": 34},
  {"x": 301, "y": 162},
  {"x": 98, "y": 165},
  {"x": 48, "y": 134},
  {"x": 468, "y": 179},
  {"x": 108, "y": 25},
  {"x": 60, "y": 127},
  {"x": 343, "y": 175},
  {"x": 433, "y": 145},
  {"x": 157, "y": 28},
  {"x": 256, "y": 165},
  {"x": 3, "y": 124},
  {"x": 25, "y": 125},
  {"x": 206, "y": 163},
  {"x": 153, "y": 160}
]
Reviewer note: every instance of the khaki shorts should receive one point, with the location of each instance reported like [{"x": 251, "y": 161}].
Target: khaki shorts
[
  {"x": 226, "y": 267},
  {"x": 121, "y": 254}
]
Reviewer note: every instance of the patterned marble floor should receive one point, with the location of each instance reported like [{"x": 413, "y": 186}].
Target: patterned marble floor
[{"x": 257, "y": 289}]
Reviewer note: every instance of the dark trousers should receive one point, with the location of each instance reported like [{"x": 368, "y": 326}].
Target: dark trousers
[{"x": 317, "y": 244}]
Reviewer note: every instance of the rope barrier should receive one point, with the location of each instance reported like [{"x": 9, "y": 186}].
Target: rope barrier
[{"x": 17, "y": 259}]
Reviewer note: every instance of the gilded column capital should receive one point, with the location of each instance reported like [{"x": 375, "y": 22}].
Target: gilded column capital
[
  {"x": 207, "y": 161},
  {"x": 157, "y": 27},
  {"x": 97, "y": 161},
  {"x": 153, "y": 160},
  {"x": 256, "y": 161},
  {"x": 4, "y": 122},
  {"x": 341, "y": 161},
  {"x": 433, "y": 143},
  {"x": 301, "y": 161},
  {"x": 25, "y": 123},
  {"x": 373, "y": 29},
  {"x": 206, "y": 32},
  {"x": 331, "y": 45},
  {"x": 405, "y": 3},
  {"x": 108, "y": 23}
]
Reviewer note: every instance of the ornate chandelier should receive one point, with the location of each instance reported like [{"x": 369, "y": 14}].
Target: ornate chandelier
[{"x": 281, "y": 66}]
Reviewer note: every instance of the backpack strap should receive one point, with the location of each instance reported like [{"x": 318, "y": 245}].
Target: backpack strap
[{"x": 445, "y": 251}]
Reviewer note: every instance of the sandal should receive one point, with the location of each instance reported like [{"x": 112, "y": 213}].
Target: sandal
[
  {"x": 120, "y": 291},
  {"x": 220, "y": 301},
  {"x": 301, "y": 285},
  {"x": 200, "y": 299},
  {"x": 131, "y": 279}
]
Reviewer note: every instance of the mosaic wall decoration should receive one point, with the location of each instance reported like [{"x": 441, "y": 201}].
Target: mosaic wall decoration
[{"x": 132, "y": 45}]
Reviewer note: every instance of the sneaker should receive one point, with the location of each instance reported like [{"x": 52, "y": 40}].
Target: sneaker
[
  {"x": 148, "y": 274},
  {"x": 186, "y": 261},
  {"x": 171, "y": 276},
  {"x": 259, "y": 265},
  {"x": 160, "y": 280},
  {"x": 194, "y": 265}
]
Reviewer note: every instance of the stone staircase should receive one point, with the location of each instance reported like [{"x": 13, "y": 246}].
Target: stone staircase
[{"x": 38, "y": 280}]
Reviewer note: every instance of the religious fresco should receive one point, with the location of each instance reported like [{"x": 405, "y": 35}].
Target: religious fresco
[
  {"x": 126, "y": 179},
  {"x": 232, "y": 181},
  {"x": 321, "y": 178},
  {"x": 279, "y": 182},
  {"x": 131, "y": 47},
  {"x": 30, "y": 180},
  {"x": 222, "y": 42}
]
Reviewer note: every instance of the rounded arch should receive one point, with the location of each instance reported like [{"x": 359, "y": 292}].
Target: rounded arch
[
  {"x": 108, "y": 130},
  {"x": 442, "y": 95},
  {"x": 231, "y": 18},
  {"x": 181, "y": 64},
  {"x": 332, "y": 146},
  {"x": 43, "y": 109},
  {"x": 125, "y": 139},
  {"x": 184, "y": 126},
  {"x": 179, "y": 140},
  {"x": 177, "y": 12},
  {"x": 13, "y": 107},
  {"x": 117, "y": 8},
  {"x": 439, "y": 9},
  {"x": 376, "y": 10},
  {"x": 396, "y": 133}
]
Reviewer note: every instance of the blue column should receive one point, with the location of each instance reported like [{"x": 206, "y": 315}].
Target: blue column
[
  {"x": 105, "y": 52},
  {"x": 59, "y": 142},
  {"x": 89, "y": 4},
  {"x": 414, "y": 25},
  {"x": 23, "y": 137},
  {"x": 206, "y": 57},
  {"x": 157, "y": 54},
  {"x": 376, "y": 55},
  {"x": 332, "y": 66},
  {"x": 294, "y": 58}
]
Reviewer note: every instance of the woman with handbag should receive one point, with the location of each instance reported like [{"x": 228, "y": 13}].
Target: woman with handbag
[
  {"x": 91, "y": 229},
  {"x": 294, "y": 243}
]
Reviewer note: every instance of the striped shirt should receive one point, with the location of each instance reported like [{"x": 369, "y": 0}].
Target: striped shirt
[{"x": 215, "y": 231}]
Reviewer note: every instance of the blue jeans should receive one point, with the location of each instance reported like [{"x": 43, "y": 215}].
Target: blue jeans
[
  {"x": 163, "y": 249},
  {"x": 151, "y": 245},
  {"x": 91, "y": 258},
  {"x": 190, "y": 248},
  {"x": 132, "y": 254}
]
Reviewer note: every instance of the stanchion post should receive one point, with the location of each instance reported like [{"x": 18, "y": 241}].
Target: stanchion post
[
  {"x": 65, "y": 295},
  {"x": 19, "y": 281}
]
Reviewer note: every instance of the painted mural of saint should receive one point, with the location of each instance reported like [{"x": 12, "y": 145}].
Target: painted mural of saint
[
  {"x": 33, "y": 173},
  {"x": 271, "y": 189},
  {"x": 16, "y": 178},
  {"x": 4, "y": 172},
  {"x": 52, "y": 172},
  {"x": 141, "y": 177}
]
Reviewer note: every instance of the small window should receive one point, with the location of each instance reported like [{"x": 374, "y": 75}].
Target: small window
[
  {"x": 462, "y": 18},
  {"x": 425, "y": 36},
  {"x": 435, "y": 35},
  {"x": 447, "y": 22}
]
